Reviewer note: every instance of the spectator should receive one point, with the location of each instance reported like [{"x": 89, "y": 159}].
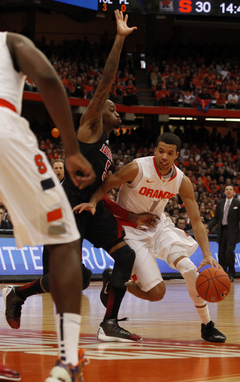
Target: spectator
[
  {"x": 181, "y": 223},
  {"x": 89, "y": 90},
  {"x": 79, "y": 88},
  {"x": 162, "y": 97},
  {"x": 232, "y": 100},
  {"x": 188, "y": 99},
  {"x": 204, "y": 100},
  {"x": 227, "y": 217},
  {"x": 130, "y": 94}
]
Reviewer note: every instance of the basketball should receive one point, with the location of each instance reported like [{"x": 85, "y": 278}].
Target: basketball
[
  {"x": 213, "y": 284},
  {"x": 55, "y": 132}
]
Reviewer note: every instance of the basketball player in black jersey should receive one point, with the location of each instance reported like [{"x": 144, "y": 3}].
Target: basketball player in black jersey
[{"x": 101, "y": 229}]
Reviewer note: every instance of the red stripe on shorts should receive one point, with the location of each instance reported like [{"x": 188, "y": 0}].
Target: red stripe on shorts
[
  {"x": 7, "y": 104},
  {"x": 54, "y": 215},
  {"x": 134, "y": 277}
]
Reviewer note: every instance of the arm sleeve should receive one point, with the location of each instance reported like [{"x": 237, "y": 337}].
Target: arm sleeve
[{"x": 115, "y": 209}]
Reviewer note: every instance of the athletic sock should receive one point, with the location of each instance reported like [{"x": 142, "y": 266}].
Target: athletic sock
[
  {"x": 68, "y": 331},
  {"x": 29, "y": 289},
  {"x": 204, "y": 315},
  {"x": 114, "y": 302}
]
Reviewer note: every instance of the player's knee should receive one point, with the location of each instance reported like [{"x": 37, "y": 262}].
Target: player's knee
[
  {"x": 157, "y": 293},
  {"x": 186, "y": 266}
]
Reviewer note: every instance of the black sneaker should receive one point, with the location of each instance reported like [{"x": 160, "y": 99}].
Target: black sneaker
[
  {"x": 211, "y": 334},
  {"x": 13, "y": 306},
  {"x": 110, "y": 331},
  {"x": 104, "y": 294}
]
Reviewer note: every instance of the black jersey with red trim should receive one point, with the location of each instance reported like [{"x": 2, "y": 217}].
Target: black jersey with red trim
[{"x": 100, "y": 157}]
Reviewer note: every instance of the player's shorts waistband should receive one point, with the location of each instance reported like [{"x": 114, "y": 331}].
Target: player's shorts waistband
[{"x": 4, "y": 103}]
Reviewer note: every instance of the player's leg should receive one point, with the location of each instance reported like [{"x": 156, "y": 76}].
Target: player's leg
[
  {"x": 104, "y": 231},
  {"x": 222, "y": 248},
  {"x": 66, "y": 285},
  {"x": 14, "y": 297},
  {"x": 86, "y": 273},
  {"x": 155, "y": 294},
  {"x": 146, "y": 281},
  {"x": 230, "y": 259},
  {"x": 109, "y": 330},
  {"x": 178, "y": 259}
]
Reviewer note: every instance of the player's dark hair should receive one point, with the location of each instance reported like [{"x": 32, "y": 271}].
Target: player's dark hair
[{"x": 169, "y": 139}]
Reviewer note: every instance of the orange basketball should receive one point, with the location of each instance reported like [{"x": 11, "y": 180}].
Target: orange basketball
[
  {"x": 55, "y": 132},
  {"x": 213, "y": 284}
]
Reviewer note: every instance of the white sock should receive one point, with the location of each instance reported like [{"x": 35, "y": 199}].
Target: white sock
[
  {"x": 68, "y": 331},
  {"x": 190, "y": 274},
  {"x": 204, "y": 315}
]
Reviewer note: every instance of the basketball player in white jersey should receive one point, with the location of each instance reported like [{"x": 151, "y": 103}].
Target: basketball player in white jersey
[
  {"x": 40, "y": 211},
  {"x": 146, "y": 186}
]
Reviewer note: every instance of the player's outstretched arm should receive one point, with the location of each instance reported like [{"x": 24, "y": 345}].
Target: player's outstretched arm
[
  {"x": 91, "y": 121},
  {"x": 187, "y": 194},
  {"x": 32, "y": 62}
]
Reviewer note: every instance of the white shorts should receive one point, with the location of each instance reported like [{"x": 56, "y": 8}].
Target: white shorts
[
  {"x": 157, "y": 242},
  {"x": 39, "y": 209}
]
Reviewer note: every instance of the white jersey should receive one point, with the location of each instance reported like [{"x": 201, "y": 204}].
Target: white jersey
[
  {"x": 11, "y": 82},
  {"x": 149, "y": 192}
]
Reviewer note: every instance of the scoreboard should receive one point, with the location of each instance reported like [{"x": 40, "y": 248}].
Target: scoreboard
[{"x": 229, "y": 8}]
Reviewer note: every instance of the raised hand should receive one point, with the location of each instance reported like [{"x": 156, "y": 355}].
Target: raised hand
[{"x": 122, "y": 28}]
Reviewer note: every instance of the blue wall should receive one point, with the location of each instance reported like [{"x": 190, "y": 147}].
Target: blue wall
[{"x": 28, "y": 260}]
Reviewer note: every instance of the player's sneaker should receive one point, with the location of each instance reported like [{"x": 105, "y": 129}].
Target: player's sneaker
[
  {"x": 211, "y": 334},
  {"x": 110, "y": 331},
  {"x": 67, "y": 372},
  {"x": 13, "y": 306},
  {"x": 7, "y": 374},
  {"x": 104, "y": 294}
]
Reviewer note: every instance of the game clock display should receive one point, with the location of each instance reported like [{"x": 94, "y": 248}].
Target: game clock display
[{"x": 230, "y": 8}]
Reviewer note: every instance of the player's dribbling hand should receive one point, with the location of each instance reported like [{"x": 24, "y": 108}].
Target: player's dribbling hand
[
  {"x": 145, "y": 219},
  {"x": 209, "y": 260},
  {"x": 75, "y": 163},
  {"x": 91, "y": 207},
  {"x": 122, "y": 28}
]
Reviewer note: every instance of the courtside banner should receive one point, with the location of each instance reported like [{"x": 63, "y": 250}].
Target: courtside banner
[{"x": 28, "y": 260}]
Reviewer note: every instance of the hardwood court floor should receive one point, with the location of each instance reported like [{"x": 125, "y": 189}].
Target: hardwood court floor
[{"x": 171, "y": 350}]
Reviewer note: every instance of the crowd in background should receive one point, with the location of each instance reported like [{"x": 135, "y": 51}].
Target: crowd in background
[{"x": 178, "y": 75}]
